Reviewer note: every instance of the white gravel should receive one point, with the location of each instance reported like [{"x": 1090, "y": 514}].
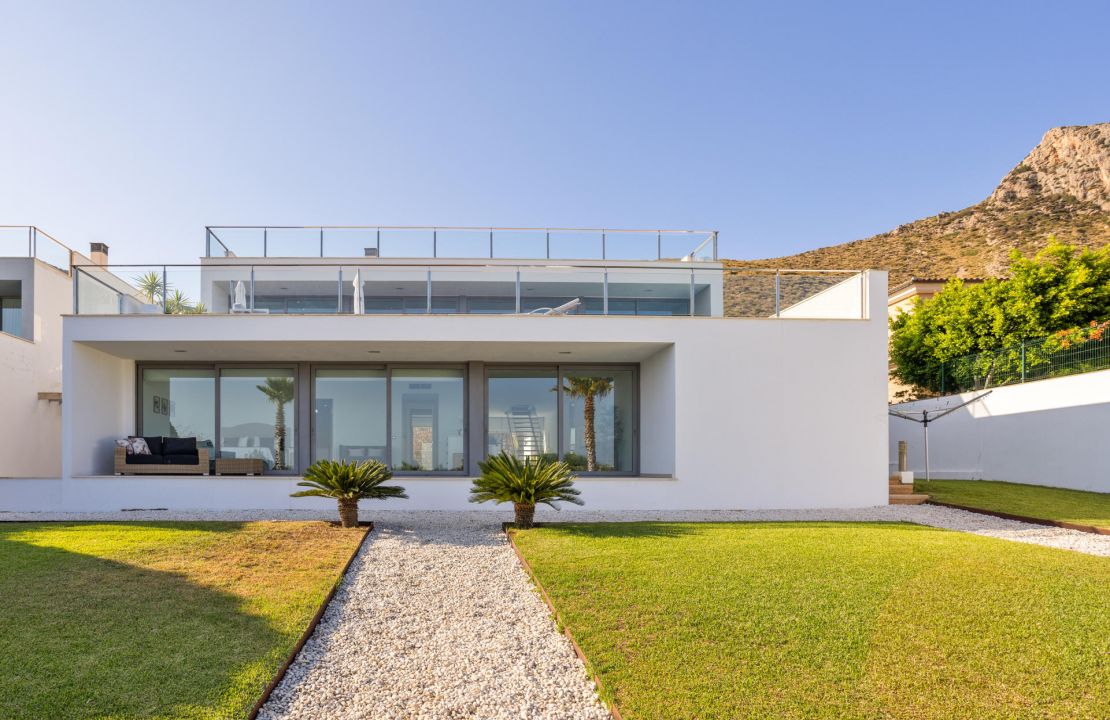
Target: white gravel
[{"x": 436, "y": 620}]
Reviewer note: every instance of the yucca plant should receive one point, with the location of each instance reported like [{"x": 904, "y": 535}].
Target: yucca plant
[
  {"x": 537, "y": 480},
  {"x": 349, "y": 482}
]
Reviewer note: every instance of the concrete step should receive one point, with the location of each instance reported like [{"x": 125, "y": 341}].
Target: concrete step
[{"x": 910, "y": 499}]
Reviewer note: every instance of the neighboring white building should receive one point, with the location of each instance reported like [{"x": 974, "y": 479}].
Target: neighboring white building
[
  {"x": 429, "y": 358},
  {"x": 36, "y": 290}
]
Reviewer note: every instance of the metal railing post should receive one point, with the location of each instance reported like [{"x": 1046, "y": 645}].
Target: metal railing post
[
  {"x": 547, "y": 235},
  {"x": 435, "y": 242},
  {"x": 605, "y": 292},
  {"x": 165, "y": 289},
  {"x": 778, "y": 293},
  {"x": 518, "y": 290},
  {"x": 76, "y": 295},
  {"x": 265, "y": 243},
  {"x": 691, "y": 292},
  {"x": 252, "y": 288},
  {"x": 491, "y": 243},
  {"x": 34, "y": 241},
  {"x": 1023, "y": 359},
  {"x": 322, "y": 247},
  {"x": 602, "y": 244},
  {"x": 658, "y": 244},
  {"x": 339, "y": 293},
  {"x": 429, "y": 305},
  {"x": 207, "y": 242},
  {"x": 714, "y": 246}
]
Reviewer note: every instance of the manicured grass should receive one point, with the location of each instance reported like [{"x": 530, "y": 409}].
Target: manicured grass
[
  {"x": 1036, "y": 501},
  {"x": 829, "y": 620},
  {"x": 155, "y": 620}
]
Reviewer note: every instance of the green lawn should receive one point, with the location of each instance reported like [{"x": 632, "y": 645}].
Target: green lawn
[
  {"x": 829, "y": 620},
  {"x": 1037, "y": 501},
  {"x": 155, "y": 620}
]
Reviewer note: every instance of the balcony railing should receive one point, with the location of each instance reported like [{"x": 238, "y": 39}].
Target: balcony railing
[
  {"x": 30, "y": 241},
  {"x": 662, "y": 289},
  {"x": 459, "y": 242}
]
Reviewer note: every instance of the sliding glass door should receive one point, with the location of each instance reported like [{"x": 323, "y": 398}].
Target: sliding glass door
[
  {"x": 523, "y": 411},
  {"x": 598, "y": 417},
  {"x": 584, "y": 415},
  {"x": 179, "y": 403},
  {"x": 349, "y": 415},
  {"x": 258, "y": 416},
  {"x": 428, "y": 419}
]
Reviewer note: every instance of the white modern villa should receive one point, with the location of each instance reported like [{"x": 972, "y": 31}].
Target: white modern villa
[{"x": 666, "y": 379}]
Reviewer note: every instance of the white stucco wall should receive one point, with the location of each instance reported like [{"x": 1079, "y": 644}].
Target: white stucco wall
[
  {"x": 734, "y": 413},
  {"x": 1049, "y": 432},
  {"x": 847, "y": 299},
  {"x": 30, "y": 428}
]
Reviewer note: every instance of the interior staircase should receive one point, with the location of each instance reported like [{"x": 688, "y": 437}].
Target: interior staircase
[
  {"x": 903, "y": 494},
  {"x": 525, "y": 428}
]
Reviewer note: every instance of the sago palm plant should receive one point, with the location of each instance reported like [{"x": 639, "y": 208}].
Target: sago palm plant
[
  {"x": 349, "y": 482},
  {"x": 537, "y": 480}
]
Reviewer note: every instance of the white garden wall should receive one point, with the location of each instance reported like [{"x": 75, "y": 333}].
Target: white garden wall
[{"x": 1048, "y": 432}]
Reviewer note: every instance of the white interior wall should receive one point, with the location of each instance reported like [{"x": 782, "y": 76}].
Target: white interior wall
[{"x": 1048, "y": 432}]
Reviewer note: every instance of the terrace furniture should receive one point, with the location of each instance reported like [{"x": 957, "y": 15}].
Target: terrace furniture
[
  {"x": 239, "y": 466},
  {"x": 168, "y": 456}
]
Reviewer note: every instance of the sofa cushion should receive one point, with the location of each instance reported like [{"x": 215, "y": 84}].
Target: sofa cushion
[
  {"x": 179, "y": 446},
  {"x": 155, "y": 444},
  {"x": 144, "y": 459},
  {"x": 185, "y": 459}
]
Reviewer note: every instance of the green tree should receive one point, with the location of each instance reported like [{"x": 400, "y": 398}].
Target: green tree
[
  {"x": 589, "y": 388},
  {"x": 1061, "y": 287},
  {"x": 151, "y": 285},
  {"x": 279, "y": 391},
  {"x": 349, "y": 482}
]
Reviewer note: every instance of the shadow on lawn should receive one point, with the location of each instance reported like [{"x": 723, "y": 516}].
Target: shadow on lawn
[{"x": 88, "y": 637}]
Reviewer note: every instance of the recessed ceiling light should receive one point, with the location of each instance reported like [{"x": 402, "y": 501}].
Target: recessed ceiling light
[
  {"x": 180, "y": 350},
  {"x": 398, "y": 288},
  {"x": 374, "y": 352},
  {"x": 564, "y": 352}
]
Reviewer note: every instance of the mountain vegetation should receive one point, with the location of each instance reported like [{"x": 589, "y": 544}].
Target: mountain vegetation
[{"x": 1061, "y": 189}]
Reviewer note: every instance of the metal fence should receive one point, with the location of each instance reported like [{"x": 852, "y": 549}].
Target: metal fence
[
  {"x": 30, "y": 241},
  {"x": 1030, "y": 360}
]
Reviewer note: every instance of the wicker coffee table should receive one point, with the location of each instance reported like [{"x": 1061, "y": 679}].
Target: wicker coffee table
[{"x": 238, "y": 466}]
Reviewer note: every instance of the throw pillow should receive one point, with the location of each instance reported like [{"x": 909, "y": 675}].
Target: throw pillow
[
  {"x": 139, "y": 446},
  {"x": 126, "y": 445}
]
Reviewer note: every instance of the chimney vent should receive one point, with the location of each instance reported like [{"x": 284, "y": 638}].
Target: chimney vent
[{"x": 98, "y": 253}]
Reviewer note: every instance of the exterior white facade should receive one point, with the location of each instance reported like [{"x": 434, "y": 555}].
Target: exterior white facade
[
  {"x": 36, "y": 281},
  {"x": 1047, "y": 432},
  {"x": 715, "y": 412}
]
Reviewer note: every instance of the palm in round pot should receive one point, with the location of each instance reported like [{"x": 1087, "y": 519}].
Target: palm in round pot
[
  {"x": 537, "y": 480},
  {"x": 349, "y": 482}
]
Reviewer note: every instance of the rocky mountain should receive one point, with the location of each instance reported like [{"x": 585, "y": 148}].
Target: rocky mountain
[{"x": 1061, "y": 188}]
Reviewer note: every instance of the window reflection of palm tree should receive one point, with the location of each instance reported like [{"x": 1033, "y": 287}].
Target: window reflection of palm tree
[
  {"x": 279, "y": 391},
  {"x": 589, "y": 389}
]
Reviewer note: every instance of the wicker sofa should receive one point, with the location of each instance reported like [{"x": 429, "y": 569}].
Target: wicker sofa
[{"x": 123, "y": 467}]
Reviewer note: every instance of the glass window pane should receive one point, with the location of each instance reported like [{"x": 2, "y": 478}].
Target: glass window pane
[
  {"x": 11, "y": 313},
  {"x": 523, "y": 412},
  {"x": 179, "y": 403},
  {"x": 350, "y": 415},
  {"x": 258, "y": 415},
  {"x": 598, "y": 417},
  {"x": 428, "y": 419}
]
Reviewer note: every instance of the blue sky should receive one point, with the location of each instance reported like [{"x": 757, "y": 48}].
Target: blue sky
[{"x": 786, "y": 126}]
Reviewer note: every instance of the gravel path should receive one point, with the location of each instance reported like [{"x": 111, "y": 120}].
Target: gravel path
[{"x": 436, "y": 620}]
